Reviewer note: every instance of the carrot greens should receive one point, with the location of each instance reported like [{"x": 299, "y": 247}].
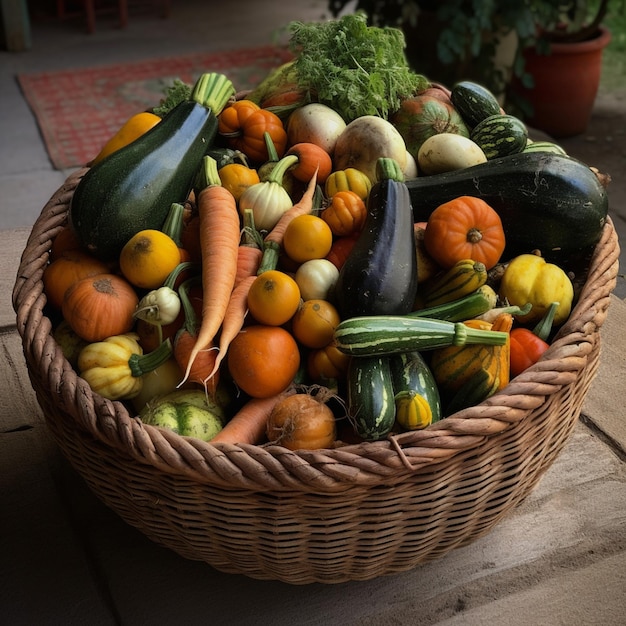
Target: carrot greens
[{"x": 354, "y": 68}]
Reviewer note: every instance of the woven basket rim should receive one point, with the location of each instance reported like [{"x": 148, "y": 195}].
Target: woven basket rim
[{"x": 272, "y": 467}]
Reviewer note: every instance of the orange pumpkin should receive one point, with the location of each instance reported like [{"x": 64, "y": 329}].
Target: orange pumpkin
[
  {"x": 252, "y": 140},
  {"x": 100, "y": 306},
  {"x": 232, "y": 117},
  {"x": 67, "y": 239},
  {"x": 465, "y": 228},
  {"x": 345, "y": 214},
  {"x": 67, "y": 269},
  {"x": 327, "y": 363}
]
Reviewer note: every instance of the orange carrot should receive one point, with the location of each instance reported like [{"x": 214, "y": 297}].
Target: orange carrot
[
  {"x": 274, "y": 239},
  {"x": 233, "y": 318},
  {"x": 248, "y": 261},
  {"x": 219, "y": 236},
  {"x": 203, "y": 364},
  {"x": 186, "y": 339},
  {"x": 302, "y": 207},
  {"x": 249, "y": 423}
]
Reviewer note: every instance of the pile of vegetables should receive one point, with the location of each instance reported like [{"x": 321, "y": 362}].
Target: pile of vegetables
[{"x": 364, "y": 255}]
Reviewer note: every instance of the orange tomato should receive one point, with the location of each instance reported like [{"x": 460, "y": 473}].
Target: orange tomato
[
  {"x": 314, "y": 323},
  {"x": 273, "y": 298},
  {"x": 263, "y": 360},
  {"x": 148, "y": 257},
  {"x": 307, "y": 237}
]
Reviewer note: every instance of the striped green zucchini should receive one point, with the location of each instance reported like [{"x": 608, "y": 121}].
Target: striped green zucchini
[
  {"x": 500, "y": 135},
  {"x": 416, "y": 394},
  {"x": 370, "y": 397},
  {"x": 378, "y": 335}
]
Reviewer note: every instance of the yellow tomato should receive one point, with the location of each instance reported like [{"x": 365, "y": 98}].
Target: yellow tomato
[
  {"x": 307, "y": 237},
  {"x": 314, "y": 323},
  {"x": 132, "y": 129},
  {"x": 148, "y": 258},
  {"x": 273, "y": 298}
]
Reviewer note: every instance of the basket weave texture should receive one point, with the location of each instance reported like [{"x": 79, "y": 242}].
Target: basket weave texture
[{"x": 330, "y": 516}]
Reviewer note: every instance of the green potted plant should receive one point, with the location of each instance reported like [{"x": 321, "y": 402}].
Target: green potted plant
[{"x": 562, "y": 64}]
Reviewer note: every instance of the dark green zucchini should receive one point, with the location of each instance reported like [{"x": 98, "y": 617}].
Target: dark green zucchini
[
  {"x": 500, "y": 135},
  {"x": 549, "y": 202},
  {"x": 379, "y": 276},
  {"x": 370, "y": 396},
  {"x": 411, "y": 376},
  {"x": 473, "y": 102},
  {"x": 134, "y": 188}
]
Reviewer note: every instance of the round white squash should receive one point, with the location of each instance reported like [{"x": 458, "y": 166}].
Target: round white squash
[
  {"x": 364, "y": 141},
  {"x": 446, "y": 152}
]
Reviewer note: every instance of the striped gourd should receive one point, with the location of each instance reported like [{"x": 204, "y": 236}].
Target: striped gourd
[
  {"x": 466, "y": 307},
  {"x": 463, "y": 278},
  {"x": 468, "y": 374},
  {"x": 500, "y": 135}
]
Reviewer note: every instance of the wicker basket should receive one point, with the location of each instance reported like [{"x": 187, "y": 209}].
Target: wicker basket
[{"x": 328, "y": 516}]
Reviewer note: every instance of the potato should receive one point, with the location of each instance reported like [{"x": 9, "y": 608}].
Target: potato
[{"x": 446, "y": 152}]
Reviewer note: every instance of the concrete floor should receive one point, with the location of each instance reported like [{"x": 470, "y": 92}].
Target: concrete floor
[{"x": 559, "y": 559}]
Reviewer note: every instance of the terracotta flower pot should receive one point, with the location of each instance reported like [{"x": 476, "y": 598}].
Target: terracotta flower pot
[{"x": 566, "y": 85}]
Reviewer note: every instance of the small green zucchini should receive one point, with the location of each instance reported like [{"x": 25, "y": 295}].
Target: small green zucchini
[
  {"x": 370, "y": 397},
  {"x": 379, "y": 335},
  {"x": 415, "y": 391}
]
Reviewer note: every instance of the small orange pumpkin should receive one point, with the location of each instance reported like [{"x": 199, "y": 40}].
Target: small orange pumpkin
[
  {"x": 465, "y": 228},
  {"x": 252, "y": 140},
  {"x": 233, "y": 116},
  {"x": 100, "y": 306},
  {"x": 345, "y": 214},
  {"x": 68, "y": 268}
]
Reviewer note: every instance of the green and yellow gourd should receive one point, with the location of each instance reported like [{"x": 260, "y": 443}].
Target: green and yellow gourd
[
  {"x": 133, "y": 188},
  {"x": 415, "y": 391}
]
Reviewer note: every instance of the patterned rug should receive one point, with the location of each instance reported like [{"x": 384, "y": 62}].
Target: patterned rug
[{"x": 78, "y": 110}]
